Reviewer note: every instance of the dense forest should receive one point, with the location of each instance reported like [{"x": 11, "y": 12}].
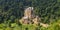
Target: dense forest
[{"x": 13, "y": 10}]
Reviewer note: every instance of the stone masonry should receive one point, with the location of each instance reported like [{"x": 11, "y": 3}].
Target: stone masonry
[{"x": 29, "y": 17}]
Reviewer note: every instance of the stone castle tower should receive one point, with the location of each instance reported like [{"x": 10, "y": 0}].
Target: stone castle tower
[
  {"x": 29, "y": 17},
  {"x": 29, "y": 12}
]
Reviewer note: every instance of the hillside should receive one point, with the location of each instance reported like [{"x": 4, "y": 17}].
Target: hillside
[{"x": 11, "y": 11}]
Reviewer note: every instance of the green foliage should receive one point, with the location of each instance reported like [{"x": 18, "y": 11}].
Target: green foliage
[
  {"x": 58, "y": 0},
  {"x": 29, "y": 27},
  {"x": 8, "y": 28},
  {"x": 12, "y": 10},
  {"x": 53, "y": 26}
]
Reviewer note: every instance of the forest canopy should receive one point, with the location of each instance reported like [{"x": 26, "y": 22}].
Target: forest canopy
[
  {"x": 12, "y": 11},
  {"x": 47, "y": 10}
]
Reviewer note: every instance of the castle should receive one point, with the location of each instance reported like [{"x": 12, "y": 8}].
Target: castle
[{"x": 29, "y": 17}]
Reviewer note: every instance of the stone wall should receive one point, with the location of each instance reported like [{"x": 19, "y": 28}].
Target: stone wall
[{"x": 29, "y": 17}]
